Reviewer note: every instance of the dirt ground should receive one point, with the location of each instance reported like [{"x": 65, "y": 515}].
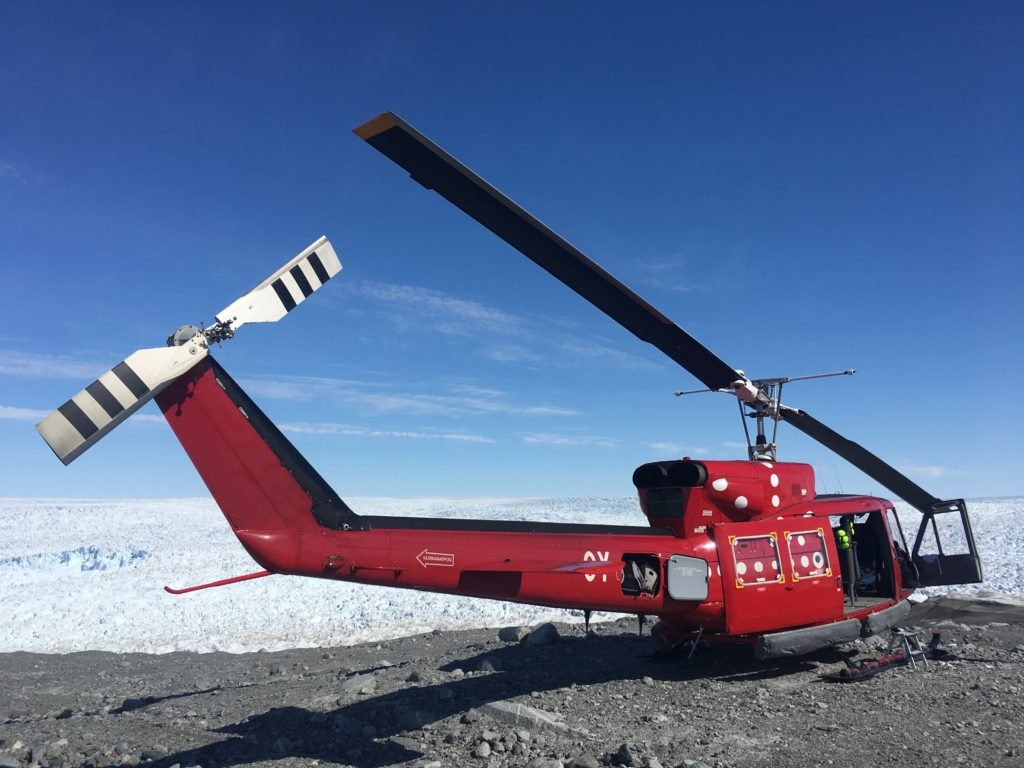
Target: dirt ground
[{"x": 429, "y": 700}]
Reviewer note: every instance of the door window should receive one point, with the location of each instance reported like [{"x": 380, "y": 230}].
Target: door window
[
  {"x": 808, "y": 556},
  {"x": 757, "y": 560}
]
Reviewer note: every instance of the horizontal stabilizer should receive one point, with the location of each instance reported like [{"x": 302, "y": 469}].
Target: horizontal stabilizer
[
  {"x": 88, "y": 416},
  {"x": 284, "y": 290}
]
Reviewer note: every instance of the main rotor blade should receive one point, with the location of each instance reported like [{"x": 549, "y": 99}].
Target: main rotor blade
[
  {"x": 90, "y": 415},
  {"x": 288, "y": 287},
  {"x": 860, "y": 457},
  {"x": 435, "y": 169}
]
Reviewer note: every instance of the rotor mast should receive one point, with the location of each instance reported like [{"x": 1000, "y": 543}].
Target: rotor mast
[{"x": 761, "y": 399}]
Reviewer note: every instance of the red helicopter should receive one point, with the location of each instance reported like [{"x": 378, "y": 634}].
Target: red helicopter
[{"x": 735, "y": 550}]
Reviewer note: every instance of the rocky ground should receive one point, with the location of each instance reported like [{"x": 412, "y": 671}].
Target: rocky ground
[{"x": 471, "y": 699}]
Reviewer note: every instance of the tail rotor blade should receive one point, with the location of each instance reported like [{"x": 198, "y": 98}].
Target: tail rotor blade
[
  {"x": 87, "y": 417},
  {"x": 288, "y": 287}
]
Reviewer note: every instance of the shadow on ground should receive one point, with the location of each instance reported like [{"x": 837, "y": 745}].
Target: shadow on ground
[{"x": 308, "y": 734}]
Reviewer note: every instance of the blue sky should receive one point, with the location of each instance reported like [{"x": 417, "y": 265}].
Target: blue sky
[{"x": 803, "y": 187}]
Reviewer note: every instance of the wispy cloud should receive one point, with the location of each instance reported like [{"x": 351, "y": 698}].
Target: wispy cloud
[
  {"x": 9, "y": 170},
  {"x": 503, "y": 336},
  {"x": 42, "y": 366},
  {"x": 672, "y": 273},
  {"x": 21, "y": 414},
  {"x": 382, "y": 398},
  {"x": 931, "y": 472},
  {"x": 347, "y": 430},
  {"x": 677, "y": 450},
  {"x": 12, "y": 413},
  {"x": 551, "y": 438},
  {"x": 444, "y": 313}
]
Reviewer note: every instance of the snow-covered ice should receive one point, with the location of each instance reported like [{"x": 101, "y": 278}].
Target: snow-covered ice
[{"x": 78, "y": 575}]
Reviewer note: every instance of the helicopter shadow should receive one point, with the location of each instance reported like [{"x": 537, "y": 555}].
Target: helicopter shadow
[{"x": 373, "y": 731}]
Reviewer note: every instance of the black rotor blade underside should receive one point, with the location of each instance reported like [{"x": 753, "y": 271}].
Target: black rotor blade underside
[
  {"x": 863, "y": 459},
  {"x": 435, "y": 169}
]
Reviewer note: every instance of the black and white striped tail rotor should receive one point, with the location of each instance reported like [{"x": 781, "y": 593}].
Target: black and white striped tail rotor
[
  {"x": 91, "y": 414},
  {"x": 280, "y": 293}
]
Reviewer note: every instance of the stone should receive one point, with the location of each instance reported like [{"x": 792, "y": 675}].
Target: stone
[
  {"x": 584, "y": 761},
  {"x": 625, "y": 756},
  {"x": 405, "y": 743},
  {"x": 483, "y": 749},
  {"x": 346, "y": 724},
  {"x": 544, "y": 762},
  {"x": 545, "y": 634},
  {"x": 515, "y": 714},
  {"x": 353, "y": 684},
  {"x": 513, "y": 634},
  {"x": 469, "y": 717}
]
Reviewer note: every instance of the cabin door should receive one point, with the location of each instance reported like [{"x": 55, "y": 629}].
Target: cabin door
[
  {"x": 944, "y": 550},
  {"x": 778, "y": 574}
]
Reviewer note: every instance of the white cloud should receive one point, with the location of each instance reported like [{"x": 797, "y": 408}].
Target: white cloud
[
  {"x": 42, "y": 366},
  {"x": 413, "y": 309},
  {"x": 458, "y": 399},
  {"x": 673, "y": 274},
  {"x": 677, "y": 450},
  {"x": 551, "y": 438},
  {"x": 346, "y": 430},
  {"x": 9, "y": 170},
  {"x": 21, "y": 414},
  {"x": 446, "y": 314},
  {"x": 926, "y": 471}
]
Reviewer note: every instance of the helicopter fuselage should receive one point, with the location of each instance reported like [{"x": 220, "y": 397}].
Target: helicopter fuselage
[{"x": 732, "y": 547}]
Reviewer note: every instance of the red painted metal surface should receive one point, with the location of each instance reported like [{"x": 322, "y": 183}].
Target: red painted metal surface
[{"x": 739, "y": 518}]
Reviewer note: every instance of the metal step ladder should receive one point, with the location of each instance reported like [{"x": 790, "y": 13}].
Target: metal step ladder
[{"x": 911, "y": 642}]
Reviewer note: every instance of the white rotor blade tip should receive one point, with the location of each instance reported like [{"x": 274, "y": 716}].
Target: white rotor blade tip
[
  {"x": 284, "y": 290},
  {"x": 91, "y": 414}
]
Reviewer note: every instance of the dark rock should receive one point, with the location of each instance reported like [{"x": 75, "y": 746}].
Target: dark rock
[
  {"x": 156, "y": 752},
  {"x": 626, "y": 756}
]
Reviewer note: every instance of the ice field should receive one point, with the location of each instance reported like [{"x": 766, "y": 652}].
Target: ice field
[{"x": 89, "y": 575}]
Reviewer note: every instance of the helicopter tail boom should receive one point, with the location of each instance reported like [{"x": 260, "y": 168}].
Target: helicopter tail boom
[{"x": 256, "y": 476}]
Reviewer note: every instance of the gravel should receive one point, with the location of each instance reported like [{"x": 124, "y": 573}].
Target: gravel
[{"x": 578, "y": 700}]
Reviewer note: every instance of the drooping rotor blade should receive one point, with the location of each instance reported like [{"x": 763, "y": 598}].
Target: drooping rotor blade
[
  {"x": 860, "y": 457},
  {"x": 284, "y": 290},
  {"x": 88, "y": 416},
  {"x": 435, "y": 169}
]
